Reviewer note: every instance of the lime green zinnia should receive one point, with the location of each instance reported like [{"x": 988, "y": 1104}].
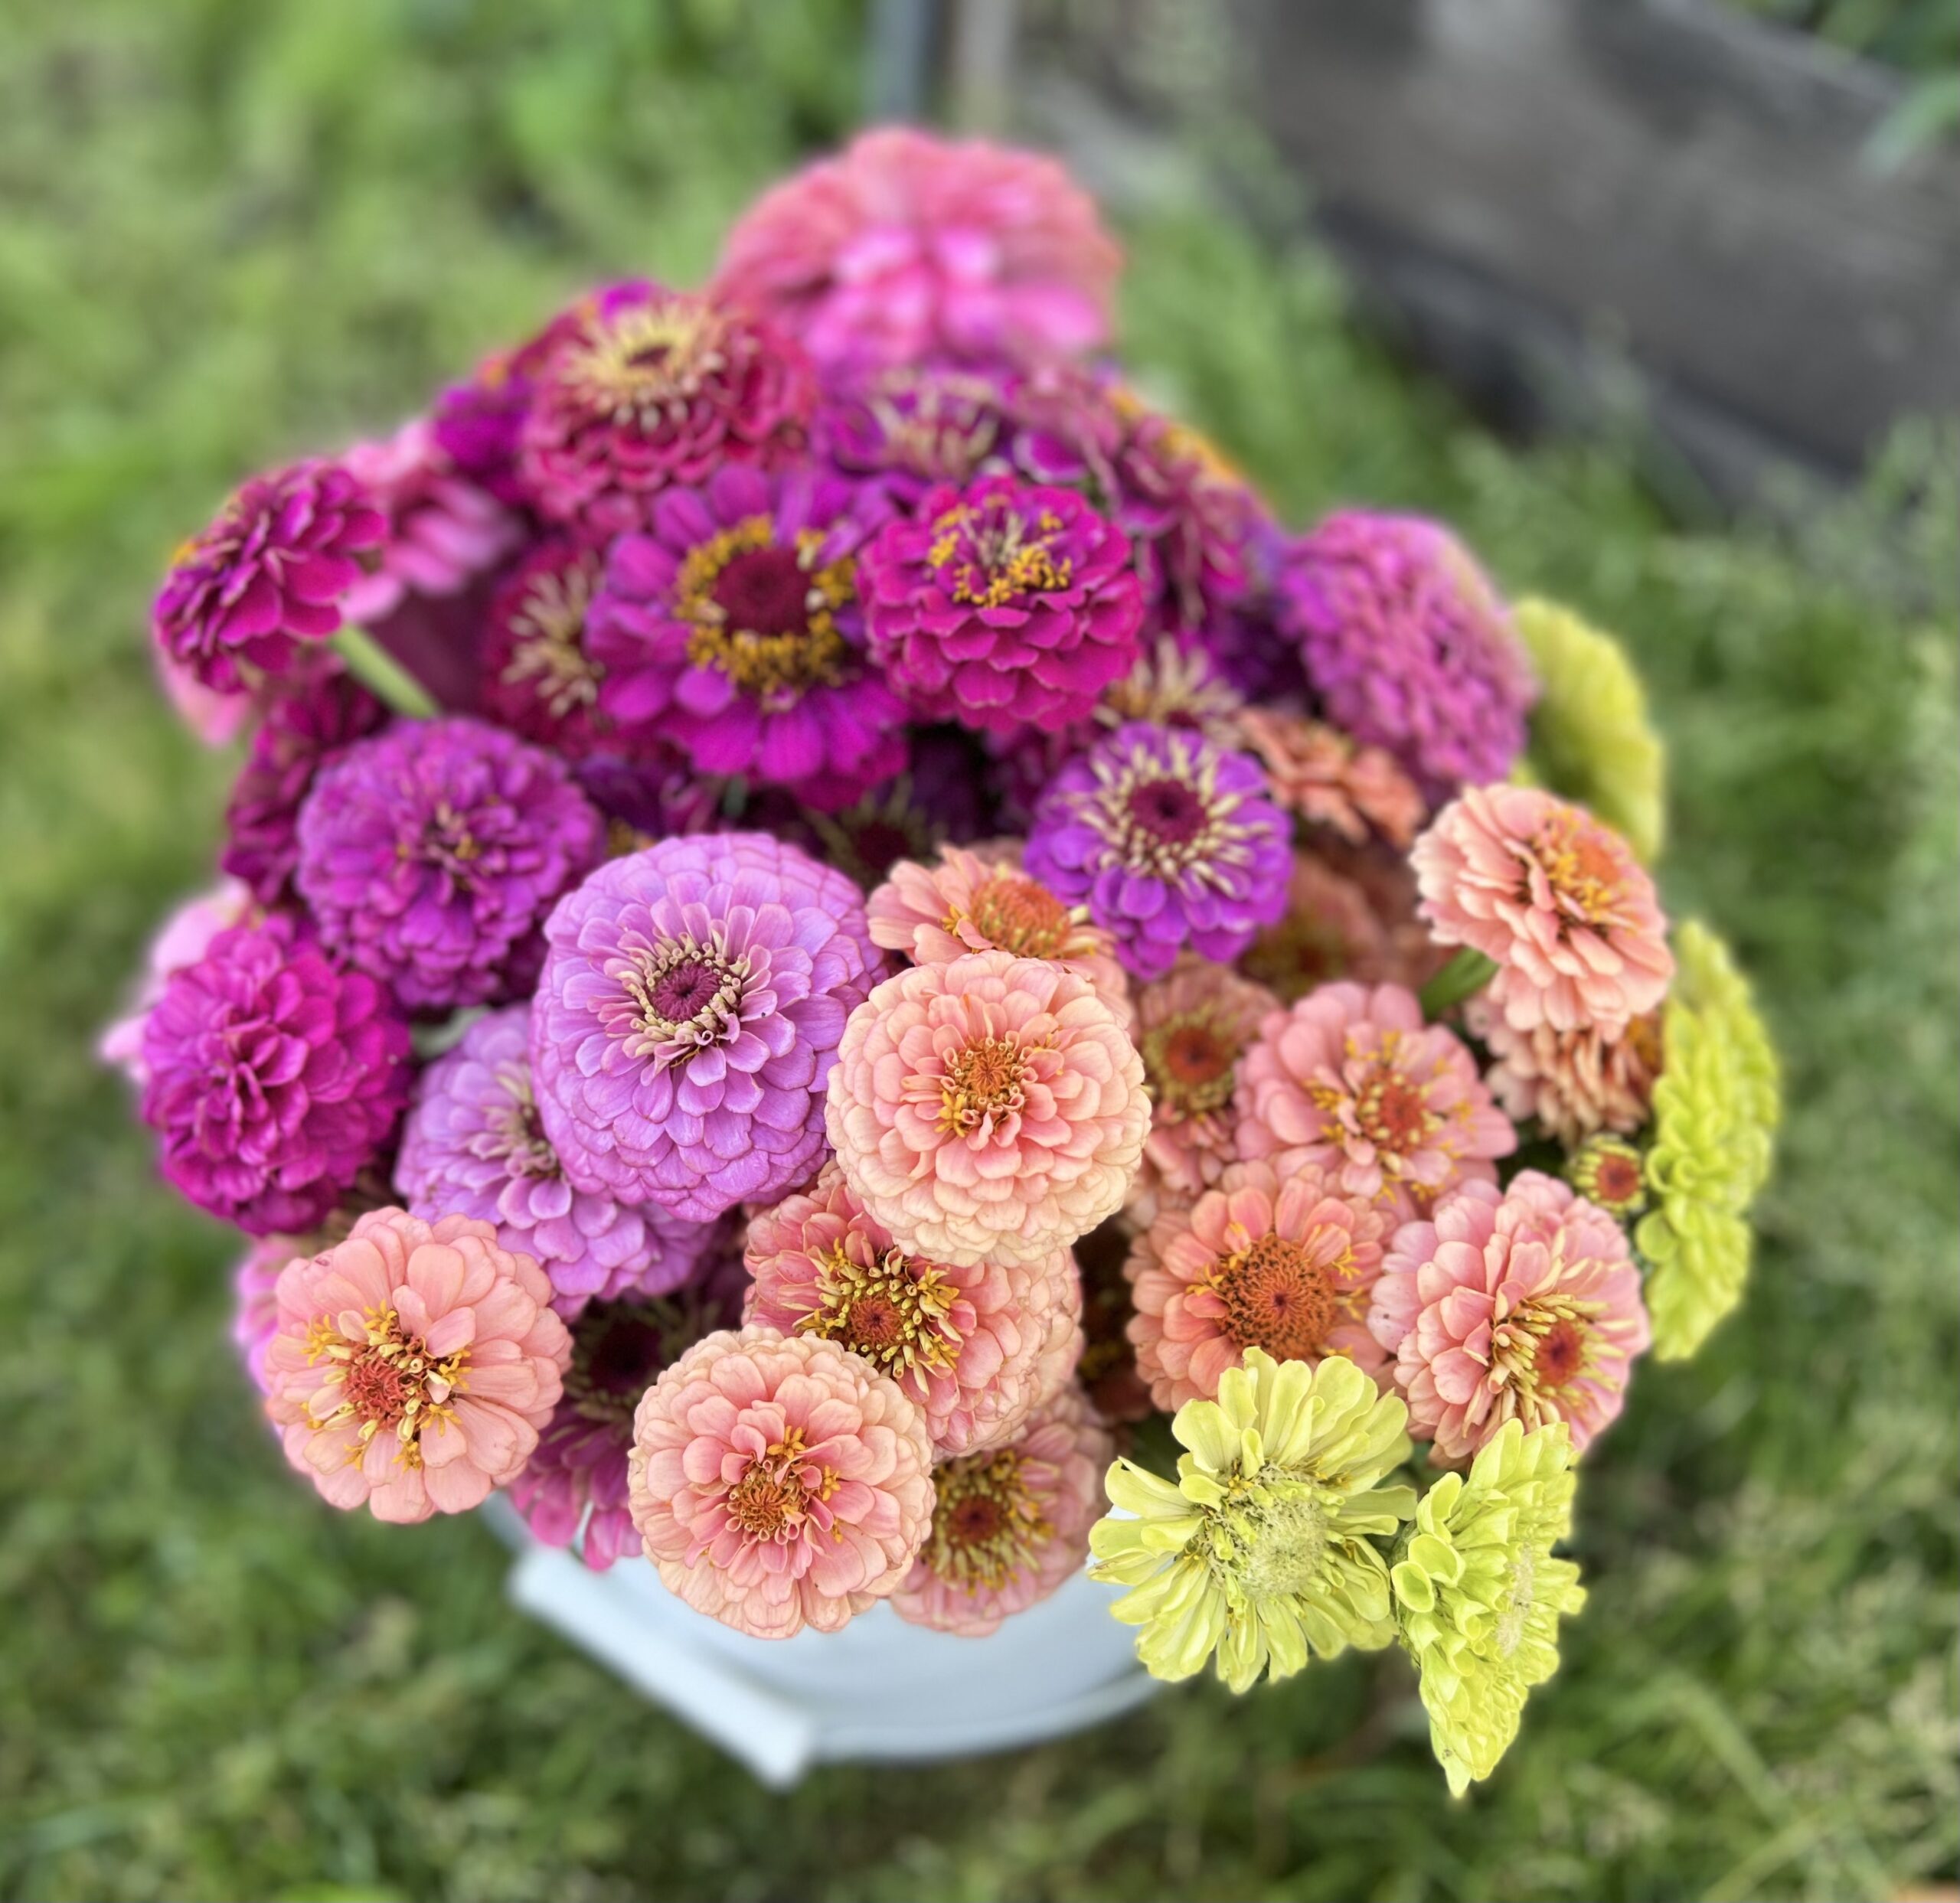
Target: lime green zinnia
[
  {"x": 1260, "y": 1552},
  {"x": 1716, "y": 1109},
  {"x": 1478, "y": 1595},
  {"x": 1591, "y": 738}
]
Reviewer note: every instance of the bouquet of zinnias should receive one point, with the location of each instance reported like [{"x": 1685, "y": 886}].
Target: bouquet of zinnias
[{"x": 825, "y": 920}]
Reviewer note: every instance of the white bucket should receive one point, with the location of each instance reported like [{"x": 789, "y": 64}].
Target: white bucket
[{"x": 879, "y": 1689}]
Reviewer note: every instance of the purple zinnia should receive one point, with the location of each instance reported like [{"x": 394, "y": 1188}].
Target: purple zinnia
[
  {"x": 473, "y": 1146},
  {"x": 271, "y": 571},
  {"x": 479, "y": 424},
  {"x": 691, "y": 1002},
  {"x": 910, "y": 429},
  {"x": 1409, "y": 646},
  {"x": 430, "y": 853},
  {"x": 733, "y": 630},
  {"x": 274, "y": 1077},
  {"x": 1003, "y": 606},
  {"x": 539, "y": 677},
  {"x": 1169, "y": 841}
]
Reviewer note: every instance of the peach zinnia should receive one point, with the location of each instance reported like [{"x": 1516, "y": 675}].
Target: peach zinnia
[
  {"x": 1573, "y": 1082},
  {"x": 1285, "y": 1265},
  {"x": 964, "y": 1344},
  {"x": 413, "y": 1365},
  {"x": 778, "y": 1482},
  {"x": 1556, "y": 897},
  {"x": 991, "y": 1109}
]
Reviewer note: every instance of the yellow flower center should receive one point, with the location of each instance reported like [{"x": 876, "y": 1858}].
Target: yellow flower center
[
  {"x": 988, "y": 554},
  {"x": 983, "y": 1082},
  {"x": 633, "y": 365},
  {"x": 891, "y": 1310}
]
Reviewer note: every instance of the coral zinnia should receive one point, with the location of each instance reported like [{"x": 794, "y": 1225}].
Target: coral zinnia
[
  {"x": 413, "y": 1365},
  {"x": 688, "y": 1014},
  {"x": 1352, "y": 1081},
  {"x": 1478, "y": 1595},
  {"x": 1556, "y": 897},
  {"x": 1257, "y": 1262},
  {"x": 539, "y": 675},
  {"x": 1518, "y": 1305},
  {"x": 1329, "y": 779},
  {"x": 1169, "y": 842},
  {"x": 642, "y": 387},
  {"x": 907, "y": 246},
  {"x": 732, "y": 629},
  {"x": 1574, "y": 1083},
  {"x": 272, "y": 571},
  {"x": 987, "y": 1110},
  {"x": 778, "y": 1482},
  {"x": 1328, "y": 931},
  {"x": 1002, "y": 605},
  {"x": 1261, "y": 1550},
  {"x": 273, "y": 1078},
  {"x": 430, "y": 854},
  {"x": 1009, "y": 1526}
]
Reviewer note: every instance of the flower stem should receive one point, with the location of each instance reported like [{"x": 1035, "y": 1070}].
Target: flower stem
[
  {"x": 1467, "y": 972},
  {"x": 382, "y": 675}
]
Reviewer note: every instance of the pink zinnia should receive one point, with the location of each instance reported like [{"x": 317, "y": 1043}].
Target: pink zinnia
[
  {"x": 1330, "y": 779},
  {"x": 185, "y": 937},
  {"x": 1556, "y": 898},
  {"x": 1328, "y": 931},
  {"x": 1575, "y": 1083},
  {"x": 540, "y": 677},
  {"x": 982, "y": 901},
  {"x": 963, "y": 1343},
  {"x": 778, "y": 1482},
  {"x": 1009, "y": 1526},
  {"x": 991, "y": 1109},
  {"x": 413, "y": 1366},
  {"x": 1352, "y": 1082},
  {"x": 1522, "y": 1304},
  {"x": 908, "y": 246},
  {"x": 1285, "y": 1263},
  {"x": 643, "y": 387}
]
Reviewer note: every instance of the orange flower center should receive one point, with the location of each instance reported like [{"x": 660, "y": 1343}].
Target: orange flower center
[
  {"x": 1021, "y": 915},
  {"x": 1579, "y": 858},
  {"x": 1560, "y": 1354},
  {"x": 1276, "y": 1298},
  {"x": 983, "y": 1081},
  {"x": 1615, "y": 1179},
  {"x": 987, "y": 1526},
  {"x": 770, "y": 1501},
  {"x": 388, "y": 1382},
  {"x": 1541, "y": 1349}
]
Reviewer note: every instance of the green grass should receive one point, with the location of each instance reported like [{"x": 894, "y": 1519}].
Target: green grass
[{"x": 237, "y": 227}]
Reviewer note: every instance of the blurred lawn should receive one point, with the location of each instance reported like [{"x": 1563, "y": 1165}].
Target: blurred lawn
[{"x": 234, "y": 228}]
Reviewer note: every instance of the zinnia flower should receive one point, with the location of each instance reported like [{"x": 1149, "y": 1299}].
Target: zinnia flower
[
  {"x": 272, "y": 571},
  {"x": 1523, "y": 1305},
  {"x": 1010, "y": 1525},
  {"x": 987, "y": 1110},
  {"x": 1170, "y": 842},
  {"x": 1002, "y": 605},
  {"x": 1716, "y": 1111},
  {"x": 1409, "y": 646},
  {"x": 1556, "y": 899},
  {"x": 473, "y": 1146},
  {"x": 413, "y": 1366},
  {"x": 907, "y": 246},
  {"x": 274, "y": 1078},
  {"x": 644, "y": 387},
  {"x": 1328, "y": 931},
  {"x": 185, "y": 939},
  {"x": 981, "y": 901},
  {"x": 1330, "y": 779},
  {"x": 963, "y": 1343},
  {"x": 478, "y": 423},
  {"x": 1611, "y": 1172},
  {"x": 690, "y": 1009},
  {"x": 1478, "y": 1595},
  {"x": 733, "y": 630},
  {"x": 1352, "y": 1082},
  {"x": 573, "y": 1489},
  {"x": 540, "y": 677},
  {"x": 1258, "y": 1262},
  {"x": 1591, "y": 739},
  {"x": 1573, "y": 1082},
  {"x": 430, "y": 854},
  {"x": 909, "y": 428},
  {"x": 1261, "y": 1550},
  {"x": 778, "y": 1482}
]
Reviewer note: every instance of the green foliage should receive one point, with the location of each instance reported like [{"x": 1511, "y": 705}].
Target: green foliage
[{"x": 235, "y": 227}]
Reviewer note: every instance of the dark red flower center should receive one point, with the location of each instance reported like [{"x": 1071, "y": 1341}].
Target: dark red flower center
[
  {"x": 1560, "y": 1355},
  {"x": 1167, "y": 809},
  {"x": 679, "y": 993},
  {"x": 1276, "y": 1298},
  {"x": 765, "y": 591},
  {"x": 625, "y": 1356}
]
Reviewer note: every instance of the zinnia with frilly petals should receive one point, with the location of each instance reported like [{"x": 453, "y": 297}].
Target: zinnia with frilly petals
[
  {"x": 1010, "y": 1525},
  {"x": 413, "y": 1366},
  {"x": 1169, "y": 842},
  {"x": 1257, "y": 1262},
  {"x": 274, "y": 1078},
  {"x": 274, "y": 570},
  {"x": 185, "y": 939},
  {"x": 907, "y": 246},
  {"x": 430, "y": 854},
  {"x": 963, "y": 1343},
  {"x": 1523, "y": 1305},
  {"x": 1329, "y": 779},
  {"x": 1351, "y": 1081},
  {"x": 778, "y": 1482},
  {"x": 689, "y": 1012},
  {"x": 1573, "y": 1082},
  {"x": 991, "y": 1109},
  {"x": 540, "y": 677},
  {"x": 473, "y": 1146},
  {"x": 1002, "y": 605},
  {"x": 1556, "y": 899}
]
